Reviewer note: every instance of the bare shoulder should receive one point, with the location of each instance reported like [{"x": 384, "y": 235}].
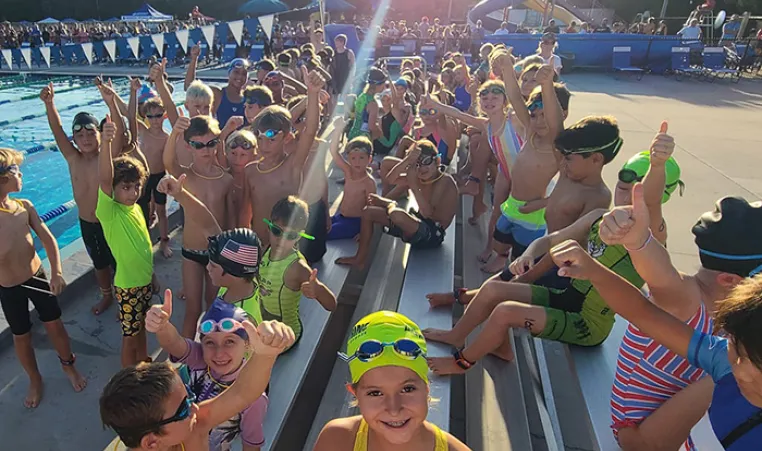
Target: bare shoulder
[
  {"x": 338, "y": 434},
  {"x": 453, "y": 444}
]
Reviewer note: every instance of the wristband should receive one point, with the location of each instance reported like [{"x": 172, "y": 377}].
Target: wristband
[{"x": 643, "y": 246}]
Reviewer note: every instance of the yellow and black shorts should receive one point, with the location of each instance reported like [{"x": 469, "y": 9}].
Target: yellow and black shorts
[{"x": 133, "y": 305}]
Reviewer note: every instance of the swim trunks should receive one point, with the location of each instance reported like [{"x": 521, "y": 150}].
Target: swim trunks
[
  {"x": 15, "y": 303},
  {"x": 519, "y": 229},
  {"x": 343, "y": 227},
  {"x": 133, "y": 305},
  {"x": 430, "y": 234},
  {"x": 313, "y": 250},
  {"x": 199, "y": 257},
  {"x": 96, "y": 245},
  {"x": 149, "y": 191}
]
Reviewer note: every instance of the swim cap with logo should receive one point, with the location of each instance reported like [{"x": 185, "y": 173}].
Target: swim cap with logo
[
  {"x": 386, "y": 327},
  {"x": 642, "y": 161}
]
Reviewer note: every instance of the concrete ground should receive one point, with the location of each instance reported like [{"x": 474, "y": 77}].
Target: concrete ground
[{"x": 715, "y": 129}]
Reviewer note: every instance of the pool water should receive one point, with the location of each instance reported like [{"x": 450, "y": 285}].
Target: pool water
[{"x": 46, "y": 174}]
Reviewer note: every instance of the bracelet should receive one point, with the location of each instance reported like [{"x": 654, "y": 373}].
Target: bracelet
[{"x": 643, "y": 246}]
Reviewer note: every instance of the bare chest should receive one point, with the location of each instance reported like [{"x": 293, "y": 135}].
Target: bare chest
[{"x": 211, "y": 193}]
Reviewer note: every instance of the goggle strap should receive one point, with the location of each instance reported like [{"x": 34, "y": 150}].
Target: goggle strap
[
  {"x": 617, "y": 142},
  {"x": 730, "y": 257}
]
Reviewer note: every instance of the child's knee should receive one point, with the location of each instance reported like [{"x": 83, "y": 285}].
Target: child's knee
[
  {"x": 398, "y": 217},
  {"x": 506, "y": 313}
]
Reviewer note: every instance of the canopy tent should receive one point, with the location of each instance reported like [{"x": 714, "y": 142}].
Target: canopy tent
[
  {"x": 338, "y": 6},
  {"x": 147, "y": 13},
  {"x": 48, "y": 20},
  {"x": 263, "y": 7},
  {"x": 69, "y": 20}
]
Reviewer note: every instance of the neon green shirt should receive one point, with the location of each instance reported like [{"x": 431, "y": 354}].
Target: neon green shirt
[{"x": 127, "y": 236}]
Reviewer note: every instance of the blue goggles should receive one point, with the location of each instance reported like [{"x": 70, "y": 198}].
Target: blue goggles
[
  {"x": 371, "y": 349},
  {"x": 535, "y": 106},
  {"x": 238, "y": 63},
  {"x": 269, "y": 134}
]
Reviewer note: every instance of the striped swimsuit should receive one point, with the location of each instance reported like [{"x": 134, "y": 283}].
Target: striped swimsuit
[
  {"x": 505, "y": 147},
  {"x": 648, "y": 374}
]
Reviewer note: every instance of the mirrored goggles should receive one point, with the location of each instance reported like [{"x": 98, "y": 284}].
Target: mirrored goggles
[
  {"x": 371, "y": 349},
  {"x": 198, "y": 145},
  {"x": 492, "y": 90},
  {"x": 88, "y": 126}
]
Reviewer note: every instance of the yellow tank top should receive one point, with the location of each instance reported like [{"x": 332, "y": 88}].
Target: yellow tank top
[
  {"x": 250, "y": 305},
  {"x": 361, "y": 440},
  {"x": 279, "y": 302}
]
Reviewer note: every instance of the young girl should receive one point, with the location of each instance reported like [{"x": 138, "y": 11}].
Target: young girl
[
  {"x": 386, "y": 355},
  {"x": 366, "y": 108},
  {"x": 212, "y": 364}
]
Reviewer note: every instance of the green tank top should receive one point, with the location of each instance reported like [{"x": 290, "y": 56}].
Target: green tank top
[
  {"x": 279, "y": 302},
  {"x": 360, "y": 126},
  {"x": 617, "y": 259},
  {"x": 250, "y": 305}
]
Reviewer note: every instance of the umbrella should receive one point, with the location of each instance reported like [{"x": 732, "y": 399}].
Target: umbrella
[
  {"x": 333, "y": 5},
  {"x": 48, "y": 20},
  {"x": 263, "y": 7}
]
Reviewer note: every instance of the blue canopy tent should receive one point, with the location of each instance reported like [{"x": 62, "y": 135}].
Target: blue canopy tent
[
  {"x": 263, "y": 7},
  {"x": 146, "y": 13},
  {"x": 338, "y": 6},
  {"x": 48, "y": 20},
  {"x": 69, "y": 20}
]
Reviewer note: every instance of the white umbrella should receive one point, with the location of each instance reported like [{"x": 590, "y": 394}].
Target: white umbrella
[{"x": 49, "y": 20}]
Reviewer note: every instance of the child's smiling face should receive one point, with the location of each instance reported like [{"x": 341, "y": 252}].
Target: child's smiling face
[{"x": 223, "y": 351}]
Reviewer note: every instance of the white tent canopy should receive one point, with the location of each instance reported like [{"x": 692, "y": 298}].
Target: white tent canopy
[
  {"x": 49, "y": 20},
  {"x": 147, "y": 13}
]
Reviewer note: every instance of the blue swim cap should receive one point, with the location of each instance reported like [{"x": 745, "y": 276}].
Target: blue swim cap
[
  {"x": 221, "y": 310},
  {"x": 146, "y": 93},
  {"x": 238, "y": 62}
]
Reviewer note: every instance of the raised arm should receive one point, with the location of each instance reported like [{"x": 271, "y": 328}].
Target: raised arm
[
  {"x": 400, "y": 169},
  {"x": 655, "y": 181},
  {"x": 315, "y": 83},
  {"x": 54, "y": 121},
  {"x": 170, "y": 154},
  {"x": 105, "y": 158},
  {"x": 512, "y": 89},
  {"x": 399, "y": 113},
  {"x": 194, "y": 207},
  {"x": 450, "y": 111},
  {"x": 338, "y": 129},
  {"x": 157, "y": 74},
  {"x": 190, "y": 75},
  {"x": 109, "y": 97},
  {"x": 299, "y": 87},
  {"x": 132, "y": 108},
  {"x": 551, "y": 108},
  {"x": 157, "y": 322}
]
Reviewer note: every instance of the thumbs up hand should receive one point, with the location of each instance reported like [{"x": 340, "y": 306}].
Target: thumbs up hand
[
  {"x": 628, "y": 225},
  {"x": 158, "y": 316},
  {"x": 311, "y": 286},
  {"x": 662, "y": 146}
]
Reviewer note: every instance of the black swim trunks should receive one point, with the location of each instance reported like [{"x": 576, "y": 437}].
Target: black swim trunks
[
  {"x": 96, "y": 245},
  {"x": 199, "y": 257},
  {"x": 15, "y": 303},
  {"x": 150, "y": 191},
  {"x": 313, "y": 250},
  {"x": 430, "y": 234}
]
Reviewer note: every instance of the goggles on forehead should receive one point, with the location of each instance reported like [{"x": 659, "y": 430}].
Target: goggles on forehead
[
  {"x": 224, "y": 325},
  {"x": 617, "y": 143},
  {"x": 534, "y": 106},
  {"x": 372, "y": 349},
  {"x": 88, "y": 126},
  {"x": 240, "y": 142},
  {"x": 492, "y": 90}
]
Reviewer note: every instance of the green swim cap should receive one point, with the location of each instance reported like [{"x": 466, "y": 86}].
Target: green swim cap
[
  {"x": 640, "y": 163},
  {"x": 387, "y": 328}
]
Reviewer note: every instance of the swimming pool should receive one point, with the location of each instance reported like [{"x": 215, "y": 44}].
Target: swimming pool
[{"x": 24, "y": 127}]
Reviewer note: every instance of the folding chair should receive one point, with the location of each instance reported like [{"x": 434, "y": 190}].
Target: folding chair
[
  {"x": 714, "y": 63},
  {"x": 257, "y": 52},
  {"x": 228, "y": 53},
  {"x": 681, "y": 64},
  {"x": 622, "y": 62},
  {"x": 429, "y": 53}
]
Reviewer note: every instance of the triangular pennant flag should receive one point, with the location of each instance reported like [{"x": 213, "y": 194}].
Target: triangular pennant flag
[
  {"x": 236, "y": 27},
  {"x": 208, "y": 34},
  {"x": 158, "y": 41},
  {"x": 26, "y": 52},
  {"x": 87, "y": 47},
  {"x": 134, "y": 43},
  {"x": 267, "y": 25},
  {"x": 110, "y": 49},
  {"x": 182, "y": 38},
  {"x": 45, "y": 54},
  {"x": 8, "y": 55}
]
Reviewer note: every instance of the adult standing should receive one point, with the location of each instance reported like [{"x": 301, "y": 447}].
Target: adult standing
[
  {"x": 228, "y": 101},
  {"x": 603, "y": 27},
  {"x": 343, "y": 66}
]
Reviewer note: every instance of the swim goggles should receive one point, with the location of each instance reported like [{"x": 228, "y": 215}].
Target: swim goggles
[
  {"x": 240, "y": 142},
  {"x": 617, "y": 144},
  {"x": 534, "y": 106},
  {"x": 269, "y": 134},
  {"x": 425, "y": 160},
  {"x": 154, "y": 116},
  {"x": 225, "y": 325},
  {"x": 198, "y": 145},
  {"x": 629, "y": 176},
  {"x": 182, "y": 413},
  {"x": 492, "y": 90},
  {"x": 88, "y": 126},
  {"x": 277, "y": 231},
  {"x": 371, "y": 349},
  {"x": 12, "y": 169},
  {"x": 428, "y": 111}
]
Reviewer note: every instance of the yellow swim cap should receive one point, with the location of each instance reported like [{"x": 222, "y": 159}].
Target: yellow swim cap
[{"x": 387, "y": 328}]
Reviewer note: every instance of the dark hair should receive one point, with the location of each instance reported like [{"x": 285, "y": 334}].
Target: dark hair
[
  {"x": 449, "y": 64},
  {"x": 134, "y": 398},
  {"x": 295, "y": 53},
  {"x": 600, "y": 132},
  {"x": 426, "y": 147},
  {"x": 129, "y": 169},
  {"x": 262, "y": 94},
  {"x": 274, "y": 117},
  {"x": 284, "y": 58},
  {"x": 291, "y": 211},
  {"x": 293, "y": 101},
  {"x": 201, "y": 125},
  {"x": 308, "y": 53},
  {"x": 307, "y": 46},
  {"x": 265, "y": 65},
  {"x": 562, "y": 93},
  {"x": 740, "y": 315},
  {"x": 359, "y": 143}
]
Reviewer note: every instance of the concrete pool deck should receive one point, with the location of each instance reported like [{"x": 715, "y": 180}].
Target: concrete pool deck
[{"x": 716, "y": 128}]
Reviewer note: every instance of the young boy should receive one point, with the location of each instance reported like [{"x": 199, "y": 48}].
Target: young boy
[
  {"x": 359, "y": 184},
  {"x": 23, "y": 279},
  {"x": 213, "y": 186},
  {"x": 435, "y": 192},
  {"x": 124, "y": 227},
  {"x": 256, "y": 99},
  {"x": 82, "y": 158},
  {"x": 278, "y": 174},
  {"x": 150, "y": 407},
  {"x": 240, "y": 150},
  {"x": 733, "y": 360},
  {"x": 285, "y": 275},
  {"x": 152, "y": 139}
]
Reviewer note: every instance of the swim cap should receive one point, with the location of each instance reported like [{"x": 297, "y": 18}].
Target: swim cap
[
  {"x": 238, "y": 252},
  {"x": 84, "y": 118},
  {"x": 376, "y": 76},
  {"x": 220, "y": 310},
  {"x": 386, "y": 327},
  {"x": 402, "y": 82},
  {"x": 237, "y": 63},
  {"x": 728, "y": 238},
  {"x": 146, "y": 93},
  {"x": 642, "y": 161}
]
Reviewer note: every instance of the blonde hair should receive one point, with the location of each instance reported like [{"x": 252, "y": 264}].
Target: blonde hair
[
  {"x": 9, "y": 157},
  {"x": 486, "y": 85},
  {"x": 245, "y": 135},
  {"x": 198, "y": 90}
]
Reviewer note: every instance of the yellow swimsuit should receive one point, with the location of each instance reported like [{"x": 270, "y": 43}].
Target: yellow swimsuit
[{"x": 361, "y": 440}]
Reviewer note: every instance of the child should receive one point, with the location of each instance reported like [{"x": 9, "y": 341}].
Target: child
[
  {"x": 150, "y": 407},
  {"x": 732, "y": 360},
  {"x": 386, "y": 356},
  {"x": 285, "y": 275},
  {"x": 23, "y": 279},
  {"x": 213, "y": 363},
  {"x": 359, "y": 184},
  {"x": 240, "y": 150},
  {"x": 437, "y": 197},
  {"x": 125, "y": 230},
  {"x": 366, "y": 108},
  {"x": 256, "y": 99},
  {"x": 278, "y": 174},
  {"x": 213, "y": 186},
  {"x": 152, "y": 139},
  {"x": 82, "y": 158}
]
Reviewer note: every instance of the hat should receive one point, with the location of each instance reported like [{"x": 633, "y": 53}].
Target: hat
[
  {"x": 237, "y": 63},
  {"x": 402, "y": 82},
  {"x": 386, "y": 327},
  {"x": 376, "y": 76},
  {"x": 238, "y": 251},
  {"x": 642, "y": 161},
  {"x": 84, "y": 118},
  {"x": 221, "y": 310}
]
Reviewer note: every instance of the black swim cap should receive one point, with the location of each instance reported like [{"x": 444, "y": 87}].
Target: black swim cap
[
  {"x": 728, "y": 238},
  {"x": 238, "y": 251}
]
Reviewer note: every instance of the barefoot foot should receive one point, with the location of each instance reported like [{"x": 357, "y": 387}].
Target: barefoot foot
[
  {"x": 78, "y": 382},
  {"x": 443, "y": 336},
  {"x": 103, "y": 305},
  {"x": 34, "y": 395},
  {"x": 440, "y": 299},
  {"x": 166, "y": 251},
  {"x": 496, "y": 265},
  {"x": 443, "y": 366},
  {"x": 485, "y": 256},
  {"x": 351, "y": 261},
  {"x": 479, "y": 209}
]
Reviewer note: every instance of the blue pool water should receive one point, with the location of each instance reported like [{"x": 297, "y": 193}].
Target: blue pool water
[{"x": 46, "y": 175}]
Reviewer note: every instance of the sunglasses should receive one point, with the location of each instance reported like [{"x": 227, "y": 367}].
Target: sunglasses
[
  {"x": 425, "y": 161},
  {"x": 243, "y": 144},
  {"x": 428, "y": 111},
  {"x": 225, "y": 325},
  {"x": 492, "y": 90},
  {"x": 154, "y": 116},
  {"x": 88, "y": 126},
  {"x": 277, "y": 231},
  {"x": 269, "y": 134},
  {"x": 198, "y": 145},
  {"x": 371, "y": 349}
]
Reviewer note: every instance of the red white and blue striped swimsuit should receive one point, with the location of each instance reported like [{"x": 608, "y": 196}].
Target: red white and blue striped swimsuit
[
  {"x": 505, "y": 147},
  {"x": 648, "y": 374}
]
